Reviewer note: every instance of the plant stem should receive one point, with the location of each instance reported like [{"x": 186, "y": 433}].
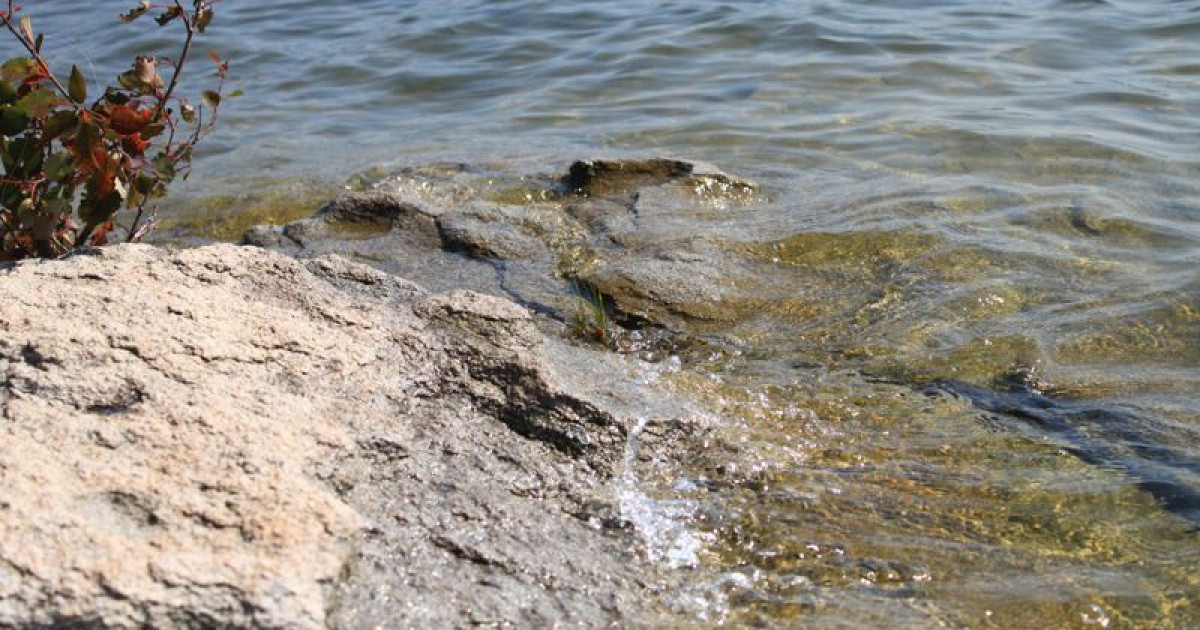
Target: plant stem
[
  {"x": 37, "y": 57},
  {"x": 183, "y": 55}
]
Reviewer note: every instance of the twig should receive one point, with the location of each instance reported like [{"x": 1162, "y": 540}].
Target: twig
[
  {"x": 37, "y": 56},
  {"x": 183, "y": 55}
]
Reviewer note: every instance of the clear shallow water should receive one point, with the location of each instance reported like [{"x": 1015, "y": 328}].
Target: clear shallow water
[{"x": 956, "y": 190}]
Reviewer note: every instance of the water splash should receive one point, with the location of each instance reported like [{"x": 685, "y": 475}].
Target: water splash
[{"x": 662, "y": 523}]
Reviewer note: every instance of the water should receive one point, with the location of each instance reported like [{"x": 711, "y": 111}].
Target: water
[
  {"x": 662, "y": 524},
  {"x": 956, "y": 192}
]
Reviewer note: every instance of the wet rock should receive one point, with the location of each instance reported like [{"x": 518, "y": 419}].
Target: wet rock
[
  {"x": 486, "y": 230},
  {"x": 679, "y": 284},
  {"x": 1088, "y": 431},
  {"x": 603, "y": 178},
  {"x": 269, "y": 236},
  {"x": 480, "y": 238},
  {"x": 610, "y": 177},
  {"x": 349, "y": 216},
  {"x": 625, "y": 230},
  {"x": 603, "y": 216},
  {"x": 227, "y": 437}
]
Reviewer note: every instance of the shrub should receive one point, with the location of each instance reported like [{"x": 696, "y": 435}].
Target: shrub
[{"x": 70, "y": 167}]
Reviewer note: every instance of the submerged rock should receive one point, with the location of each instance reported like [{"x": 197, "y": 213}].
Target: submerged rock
[
  {"x": 348, "y": 216},
  {"x": 611, "y": 223},
  {"x": 227, "y": 437},
  {"x": 678, "y": 284}
]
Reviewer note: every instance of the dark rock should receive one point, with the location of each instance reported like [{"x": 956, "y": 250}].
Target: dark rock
[{"x": 609, "y": 177}]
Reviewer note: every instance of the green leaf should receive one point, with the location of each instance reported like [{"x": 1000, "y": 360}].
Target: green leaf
[
  {"x": 58, "y": 207},
  {"x": 77, "y": 87},
  {"x": 165, "y": 167},
  {"x": 212, "y": 98},
  {"x": 8, "y": 93},
  {"x": 23, "y": 152},
  {"x": 60, "y": 123},
  {"x": 26, "y": 212},
  {"x": 134, "y": 198},
  {"x": 145, "y": 184},
  {"x": 153, "y": 130},
  {"x": 131, "y": 82},
  {"x": 98, "y": 208},
  {"x": 27, "y": 157},
  {"x": 235, "y": 94},
  {"x": 17, "y": 68},
  {"x": 59, "y": 165},
  {"x": 97, "y": 211},
  {"x": 38, "y": 103},
  {"x": 12, "y": 121}
]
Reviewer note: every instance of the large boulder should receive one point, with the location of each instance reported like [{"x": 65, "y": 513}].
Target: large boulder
[{"x": 227, "y": 437}]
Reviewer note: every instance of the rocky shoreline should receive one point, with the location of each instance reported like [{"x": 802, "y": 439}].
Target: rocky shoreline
[
  {"x": 230, "y": 437},
  {"x": 291, "y": 435}
]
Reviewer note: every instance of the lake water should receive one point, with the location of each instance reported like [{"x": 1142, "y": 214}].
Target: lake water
[{"x": 956, "y": 192}]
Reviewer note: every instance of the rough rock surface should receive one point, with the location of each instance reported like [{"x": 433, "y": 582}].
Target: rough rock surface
[{"x": 227, "y": 437}]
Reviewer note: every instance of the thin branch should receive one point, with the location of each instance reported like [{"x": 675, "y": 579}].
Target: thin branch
[
  {"x": 33, "y": 52},
  {"x": 183, "y": 55},
  {"x": 133, "y": 233}
]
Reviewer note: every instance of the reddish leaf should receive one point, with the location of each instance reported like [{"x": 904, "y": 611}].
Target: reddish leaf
[
  {"x": 125, "y": 120},
  {"x": 100, "y": 236},
  {"x": 105, "y": 183},
  {"x": 134, "y": 144},
  {"x": 87, "y": 148}
]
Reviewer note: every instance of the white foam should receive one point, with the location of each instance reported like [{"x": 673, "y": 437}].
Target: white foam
[{"x": 662, "y": 523}]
